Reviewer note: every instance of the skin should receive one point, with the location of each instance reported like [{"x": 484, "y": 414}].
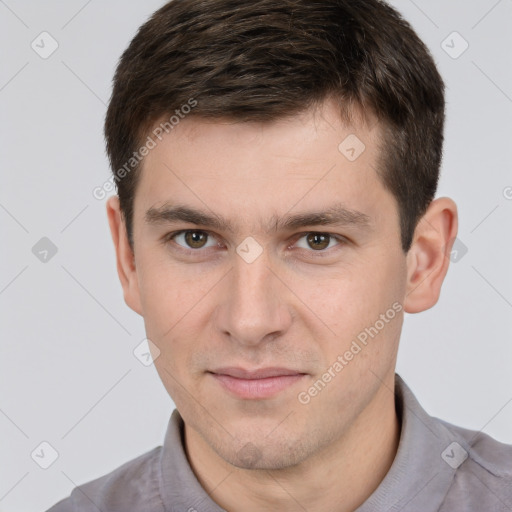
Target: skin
[{"x": 291, "y": 307}]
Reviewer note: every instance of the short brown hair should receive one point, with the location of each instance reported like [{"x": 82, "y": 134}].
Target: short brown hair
[{"x": 260, "y": 60}]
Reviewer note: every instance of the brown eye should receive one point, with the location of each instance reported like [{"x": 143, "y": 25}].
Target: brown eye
[
  {"x": 195, "y": 239},
  {"x": 318, "y": 241},
  {"x": 192, "y": 239},
  {"x": 320, "y": 244}
]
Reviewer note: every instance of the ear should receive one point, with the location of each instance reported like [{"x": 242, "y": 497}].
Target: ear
[
  {"x": 125, "y": 257},
  {"x": 429, "y": 256}
]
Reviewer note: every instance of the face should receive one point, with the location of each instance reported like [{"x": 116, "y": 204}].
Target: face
[{"x": 270, "y": 276}]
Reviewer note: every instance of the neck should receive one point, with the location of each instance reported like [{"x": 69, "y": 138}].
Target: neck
[{"x": 340, "y": 478}]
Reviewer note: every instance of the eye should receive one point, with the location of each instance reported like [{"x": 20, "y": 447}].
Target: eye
[
  {"x": 318, "y": 241},
  {"x": 192, "y": 239}
]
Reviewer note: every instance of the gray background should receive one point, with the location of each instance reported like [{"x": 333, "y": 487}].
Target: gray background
[{"x": 68, "y": 373}]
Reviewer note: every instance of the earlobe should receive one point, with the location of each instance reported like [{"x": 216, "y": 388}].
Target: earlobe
[
  {"x": 125, "y": 259},
  {"x": 428, "y": 258}
]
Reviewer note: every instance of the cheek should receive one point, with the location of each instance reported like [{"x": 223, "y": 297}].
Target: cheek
[
  {"x": 348, "y": 303},
  {"x": 174, "y": 312},
  {"x": 165, "y": 305},
  {"x": 351, "y": 296},
  {"x": 165, "y": 295}
]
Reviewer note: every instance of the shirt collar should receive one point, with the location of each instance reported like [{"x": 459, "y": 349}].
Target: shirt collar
[
  {"x": 418, "y": 479},
  {"x": 179, "y": 487}
]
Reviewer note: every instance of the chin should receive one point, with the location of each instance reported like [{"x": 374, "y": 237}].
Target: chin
[{"x": 265, "y": 454}]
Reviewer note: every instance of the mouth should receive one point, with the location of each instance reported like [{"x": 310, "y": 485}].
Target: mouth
[{"x": 256, "y": 384}]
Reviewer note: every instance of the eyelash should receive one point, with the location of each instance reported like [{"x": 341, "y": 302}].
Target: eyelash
[{"x": 318, "y": 254}]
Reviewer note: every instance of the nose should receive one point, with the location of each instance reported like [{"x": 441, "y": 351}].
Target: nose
[{"x": 254, "y": 306}]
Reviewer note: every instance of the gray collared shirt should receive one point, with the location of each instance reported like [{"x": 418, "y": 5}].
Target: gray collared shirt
[{"x": 439, "y": 467}]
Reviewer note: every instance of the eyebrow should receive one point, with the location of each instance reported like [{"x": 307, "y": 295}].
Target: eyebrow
[{"x": 335, "y": 215}]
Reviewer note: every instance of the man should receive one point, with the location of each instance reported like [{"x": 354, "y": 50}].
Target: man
[{"x": 276, "y": 166}]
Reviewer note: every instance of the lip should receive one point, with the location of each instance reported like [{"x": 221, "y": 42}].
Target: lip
[{"x": 256, "y": 384}]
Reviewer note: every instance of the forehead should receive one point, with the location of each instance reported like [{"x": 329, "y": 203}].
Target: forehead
[{"x": 254, "y": 172}]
